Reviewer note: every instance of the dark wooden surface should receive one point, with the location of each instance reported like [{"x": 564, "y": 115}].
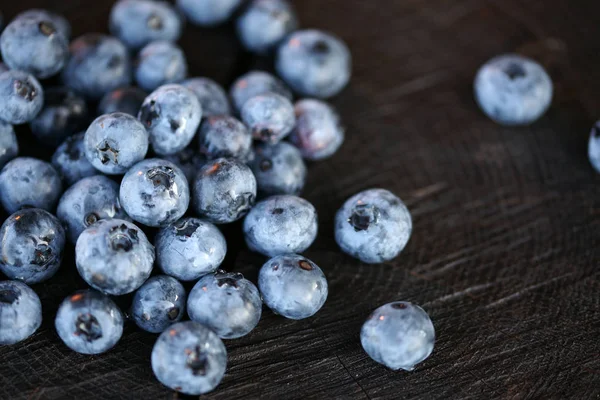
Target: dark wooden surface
[{"x": 505, "y": 250}]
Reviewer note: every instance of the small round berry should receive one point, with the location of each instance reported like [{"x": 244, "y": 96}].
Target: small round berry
[
  {"x": 208, "y": 12},
  {"x": 20, "y": 312},
  {"x": 158, "y": 304},
  {"x": 226, "y": 303},
  {"x": 373, "y": 226},
  {"x": 314, "y": 63},
  {"x": 160, "y": 63},
  {"x": 189, "y": 358},
  {"x": 89, "y": 322},
  {"x": 279, "y": 169},
  {"x": 60, "y": 23},
  {"x": 292, "y": 286},
  {"x": 21, "y": 97},
  {"x": 224, "y": 136},
  {"x": 70, "y": 162},
  {"x": 270, "y": 117},
  {"x": 155, "y": 192},
  {"x": 513, "y": 90},
  {"x": 281, "y": 224},
  {"x": 398, "y": 335},
  {"x": 211, "y": 95},
  {"x": 256, "y": 83}
]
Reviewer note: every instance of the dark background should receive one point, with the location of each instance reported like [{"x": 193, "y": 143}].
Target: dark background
[{"x": 504, "y": 254}]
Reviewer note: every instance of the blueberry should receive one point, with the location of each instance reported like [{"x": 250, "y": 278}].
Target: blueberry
[
  {"x": 155, "y": 192},
  {"x": 210, "y": 94},
  {"x": 115, "y": 142},
  {"x": 226, "y": 303},
  {"x": 318, "y": 132},
  {"x": 265, "y": 23},
  {"x": 64, "y": 114},
  {"x": 314, "y": 63},
  {"x": 114, "y": 256},
  {"x": 9, "y": 147},
  {"x": 224, "y": 190},
  {"x": 89, "y": 322},
  {"x": 139, "y": 22},
  {"x": 292, "y": 286},
  {"x": 189, "y": 161},
  {"x": 60, "y": 23},
  {"x": 98, "y": 64},
  {"x": 189, "y": 358},
  {"x": 86, "y": 202},
  {"x": 208, "y": 12},
  {"x": 373, "y": 226},
  {"x": 34, "y": 45},
  {"x": 513, "y": 90},
  {"x": 32, "y": 242},
  {"x": 224, "y": 136},
  {"x": 70, "y": 162},
  {"x": 160, "y": 63},
  {"x": 593, "y": 147},
  {"x": 270, "y": 117},
  {"x": 127, "y": 100},
  {"x": 21, "y": 97},
  {"x": 3, "y": 67},
  {"x": 159, "y": 303},
  {"x": 279, "y": 169},
  {"x": 172, "y": 115},
  {"x": 190, "y": 248},
  {"x": 255, "y": 83},
  {"x": 20, "y": 312},
  {"x": 281, "y": 224},
  {"x": 398, "y": 335},
  {"x": 28, "y": 182}
]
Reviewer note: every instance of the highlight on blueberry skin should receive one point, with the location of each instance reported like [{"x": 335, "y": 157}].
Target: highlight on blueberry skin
[
  {"x": 70, "y": 162},
  {"x": 281, "y": 224},
  {"x": 88, "y": 201},
  {"x": 172, "y": 115},
  {"x": 398, "y": 335},
  {"x": 208, "y": 12},
  {"x": 227, "y": 303},
  {"x": 115, "y": 142},
  {"x": 20, "y": 312},
  {"x": 32, "y": 243},
  {"x": 292, "y": 286},
  {"x": 29, "y": 182},
  {"x": 139, "y": 22},
  {"x": 224, "y": 136},
  {"x": 9, "y": 147},
  {"x": 593, "y": 147},
  {"x": 114, "y": 256},
  {"x": 64, "y": 114},
  {"x": 155, "y": 192},
  {"x": 513, "y": 90},
  {"x": 314, "y": 63},
  {"x": 224, "y": 191},
  {"x": 89, "y": 322},
  {"x": 190, "y": 248},
  {"x": 278, "y": 168},
  {"x": 210, "y": 94},
  {"x": 256, "y": 83},
  {"x": 265, "y": 23},
  {"x": 270, "y": 117},
  {"x": 318, "y": 133},
  {"x": 158, "y": 304},
  {"x": 160, "y": 63},
  {"x": 98, "y": 64},
  {"x": 189, "y": 358},
  {"x": 21, "y": 97},
  {"x": 126, "y": 99},
  {"x": 373, "y": 226},
  {"x": 33, "y": 44}
]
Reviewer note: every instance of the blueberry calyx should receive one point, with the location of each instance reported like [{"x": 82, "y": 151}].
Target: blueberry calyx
[
  {"x": 266, "y": 165},
  {"x": 161, "y": 177},
  {"x": 197, "y": 361},
  {"x": 42, "y": 255},
  {"x": 320, "y": 47},
  {"x": 88, "y": 326},
  {"x": 8, "y": 296},
  {"x": 243, "y": 204},
  {"x": 363, "y": 216},
  {"x": 149, "y": 113},
  {"x": 173, "y": 313},
  {"x": 25, "y": 90},
  {"x": 305, "y": 265},
  {"x": 155, "y": 22},
  {"x": 47, "y": 28},
  {"x": 108, "y": 153},
  {"x": 399, "y": 306},
  {"x": 91, "y": 219},
  {"x": 122, "y": 238},
  {"x": 514, "y": 71},
  {"x": 186, "y": 228}
]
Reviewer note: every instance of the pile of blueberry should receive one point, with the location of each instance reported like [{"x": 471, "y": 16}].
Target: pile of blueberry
[{"x": 172, "y": 158}]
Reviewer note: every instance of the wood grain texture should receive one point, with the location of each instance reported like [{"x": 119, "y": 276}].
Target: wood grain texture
[{"x": 505, "y": 250}]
